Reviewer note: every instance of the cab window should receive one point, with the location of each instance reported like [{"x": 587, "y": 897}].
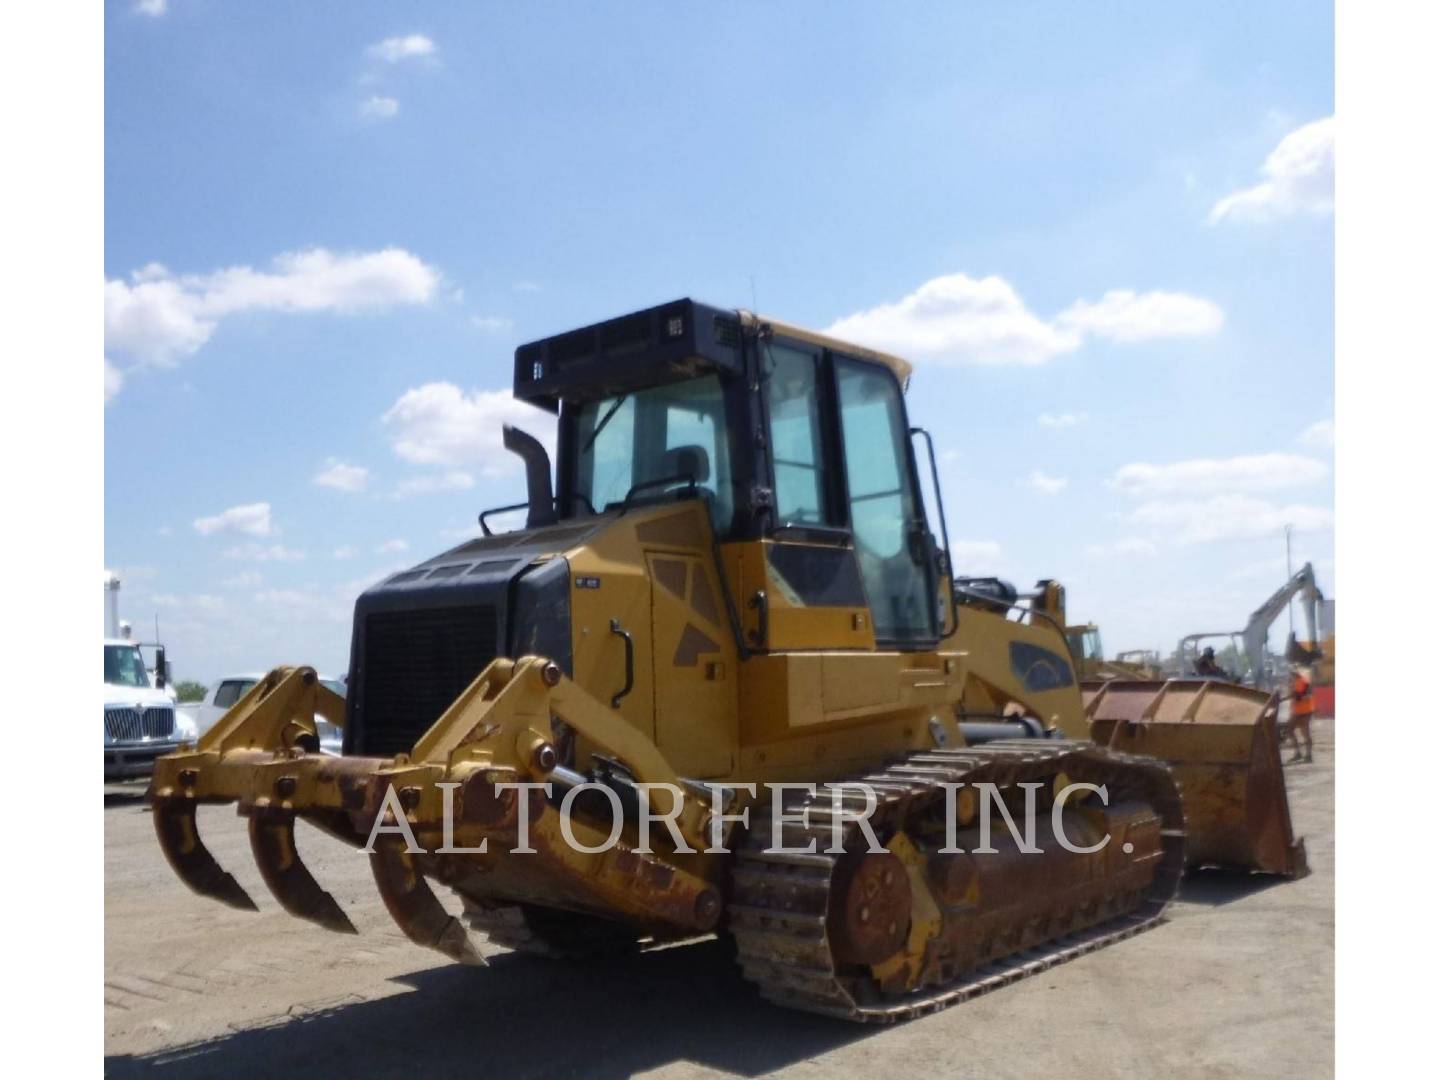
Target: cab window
[
  {"x": 792, "y": 400},
  {"x": 660, "y": 437},
  {"x": 885, "y": 519}
]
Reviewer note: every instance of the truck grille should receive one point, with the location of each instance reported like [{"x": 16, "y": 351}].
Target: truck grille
[
  {"x": 416, "y": 664},
  {"x": 132, "y": 725}
]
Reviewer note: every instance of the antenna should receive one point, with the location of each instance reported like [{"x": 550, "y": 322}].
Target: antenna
[{"x": 754, "y": 303}]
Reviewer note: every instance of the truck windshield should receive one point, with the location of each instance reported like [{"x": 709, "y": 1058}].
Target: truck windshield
[
  {"x": 124, "y": 666},
  {"x": 652, "y": 435}
]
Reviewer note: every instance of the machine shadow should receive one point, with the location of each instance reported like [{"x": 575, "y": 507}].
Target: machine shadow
[
  {"x": 525, "y": 1017},
  {"x": 1213, "y": 886}
]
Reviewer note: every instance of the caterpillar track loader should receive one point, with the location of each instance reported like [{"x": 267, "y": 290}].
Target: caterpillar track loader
[{"x": 732, "y": 586}]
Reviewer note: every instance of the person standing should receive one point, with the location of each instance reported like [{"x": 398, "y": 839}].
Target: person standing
[{"x": 1302, "y": 708}]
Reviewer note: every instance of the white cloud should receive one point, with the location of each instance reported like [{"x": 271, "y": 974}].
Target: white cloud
[
  {"x": 113, "y": 381},
  {"x": 1125, "y": 546},
  {"x": 345, "y": 551},
  {"x": 378, "y": 107},
  {"x": 342, "y": 477},
  {"x": 390, "y": 547},
  {"x": 252, "y": 519},
  {"x": 440, "y": 424},
  {"x": 1320, "y": 435},
  {"x": 262, "y": 553},
  {"x": 408, "y": 47},
  {"x": 153, "y": 8},
  {"x": 1124, "y": 315},
  {"x": 1046, "y": 484},
  {"x": 159, "y": 317},
  {"x": 1299, "y": 178},
  {"x": 1227, "y": 517},
  {"x": 1060, "y": 420},
  {"x": 957, "y": 319},
  {"x": 492, "y": 324},
  {"x": 248, "y": 579},
  {"x": 454, "y": 480},
  {"x": 1256, "y": 472}
]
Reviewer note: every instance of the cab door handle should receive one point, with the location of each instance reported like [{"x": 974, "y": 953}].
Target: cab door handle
[{"x": 616, "y": 628}]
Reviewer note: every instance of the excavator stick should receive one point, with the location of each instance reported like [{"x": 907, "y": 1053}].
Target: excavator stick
[{"x": 1220, "y": 742}]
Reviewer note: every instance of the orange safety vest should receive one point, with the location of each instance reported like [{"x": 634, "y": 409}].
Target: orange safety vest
[{"x": 1302, "y": 702}]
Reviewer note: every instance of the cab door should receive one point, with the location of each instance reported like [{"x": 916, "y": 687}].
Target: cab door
[{"x": 886, "y": 516}]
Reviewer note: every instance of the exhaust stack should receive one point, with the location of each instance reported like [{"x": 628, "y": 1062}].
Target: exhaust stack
[{"x": 538, "y": 492}]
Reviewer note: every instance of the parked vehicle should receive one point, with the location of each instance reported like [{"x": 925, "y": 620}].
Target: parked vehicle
[
  {"x": 140, "y": 718},
  {"x": 225, "y": 692}
]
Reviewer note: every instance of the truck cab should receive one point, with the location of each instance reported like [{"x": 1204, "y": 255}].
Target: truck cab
[{"x": 140, "y": 718}]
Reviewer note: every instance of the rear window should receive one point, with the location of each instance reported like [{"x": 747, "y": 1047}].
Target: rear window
[{"x": 231, "y": 690}]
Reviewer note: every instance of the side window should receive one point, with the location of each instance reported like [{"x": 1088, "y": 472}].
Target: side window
[
  {"x": 695, "y": 420},
  {"x": 793, "y": 401},
  {"x": 1039, "y": 669},
  {"x": 231, "y": 691},
  {"x": 884, "y": 518}
]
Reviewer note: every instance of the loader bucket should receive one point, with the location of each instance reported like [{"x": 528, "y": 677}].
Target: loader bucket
[{"x": 1220, "y": 742}]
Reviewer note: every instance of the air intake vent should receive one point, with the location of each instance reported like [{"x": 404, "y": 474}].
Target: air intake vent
[{"x": 416, "y": 665}]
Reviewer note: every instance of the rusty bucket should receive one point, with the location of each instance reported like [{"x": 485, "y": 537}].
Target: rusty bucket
[{"x": 1220, "y": 741}]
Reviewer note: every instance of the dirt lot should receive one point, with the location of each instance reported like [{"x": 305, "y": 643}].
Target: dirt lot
[{"x": 1238, "y": 983}]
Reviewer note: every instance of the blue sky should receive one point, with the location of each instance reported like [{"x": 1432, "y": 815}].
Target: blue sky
[{"x": 1103, "y": 235}]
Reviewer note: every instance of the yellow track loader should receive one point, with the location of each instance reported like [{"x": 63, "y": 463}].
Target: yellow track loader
[{"x": 722, "y": 681}]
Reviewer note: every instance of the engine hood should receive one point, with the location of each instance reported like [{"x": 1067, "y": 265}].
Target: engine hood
[
  {"x": 129, "y": 696},
  {"x": 421, "y": 636}
]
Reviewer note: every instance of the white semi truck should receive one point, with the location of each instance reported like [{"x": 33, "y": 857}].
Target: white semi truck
[{"x": 141, "y": 721}]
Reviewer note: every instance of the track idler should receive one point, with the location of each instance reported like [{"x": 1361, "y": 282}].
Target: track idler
[
  {"x": 190, "y": 858},
  {"x": 272, "y": 840}
]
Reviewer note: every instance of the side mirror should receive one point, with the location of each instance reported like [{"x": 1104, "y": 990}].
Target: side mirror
[{"x": 160, "y": 667}]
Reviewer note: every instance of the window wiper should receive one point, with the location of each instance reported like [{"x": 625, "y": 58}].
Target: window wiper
[{"x": 603, "y": 421}]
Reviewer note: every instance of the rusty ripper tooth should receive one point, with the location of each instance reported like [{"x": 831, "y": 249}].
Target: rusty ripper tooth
[
  {"x": 413, "y": 906},
  {"x": 272, "y": 840},
  {"x": 190, "y": 858}
]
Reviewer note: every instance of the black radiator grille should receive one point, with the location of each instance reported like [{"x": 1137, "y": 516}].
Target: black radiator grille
[{"x": 416, "y": 664}]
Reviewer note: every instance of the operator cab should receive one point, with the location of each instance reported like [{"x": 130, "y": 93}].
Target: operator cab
[{"x": 792, "y": 439}]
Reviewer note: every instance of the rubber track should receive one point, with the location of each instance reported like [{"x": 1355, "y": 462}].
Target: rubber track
[{"x": 781, "y": 938}]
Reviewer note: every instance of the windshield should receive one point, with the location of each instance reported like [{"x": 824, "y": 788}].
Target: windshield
[
  {"x": 657, "y": 434},
  {"x": 124, "y": 666}
]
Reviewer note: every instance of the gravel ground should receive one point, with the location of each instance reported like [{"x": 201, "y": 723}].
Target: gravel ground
[{"x": 1239, "y": 982}]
